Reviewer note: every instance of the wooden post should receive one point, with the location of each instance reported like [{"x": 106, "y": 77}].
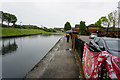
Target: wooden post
[
  {"x": 74, "y": 43},
  {"x": 74, "y": 35}
]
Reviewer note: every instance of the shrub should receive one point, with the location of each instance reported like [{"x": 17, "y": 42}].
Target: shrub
[
  {"x": 49, "y": 30},
  {"x": 24, "y": 27},
  {"x": 4, "y": 25},
  {"x": 17, "y": 26}
]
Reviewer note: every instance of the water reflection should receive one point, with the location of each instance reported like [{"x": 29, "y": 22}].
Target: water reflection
[
  {"x": 9, "y": 48},
  {"x": 25, "y": 52}
]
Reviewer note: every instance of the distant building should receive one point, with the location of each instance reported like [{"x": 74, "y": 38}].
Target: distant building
[
  {"x": 92, "y": 28},
  {"x": 77, "y": 27},
  {"x": 59, "y": 29}
]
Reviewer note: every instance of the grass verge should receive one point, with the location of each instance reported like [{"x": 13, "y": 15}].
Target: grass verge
[{"x": 15, "y": 31}]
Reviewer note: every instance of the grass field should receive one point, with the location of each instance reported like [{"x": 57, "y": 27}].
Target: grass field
[{"x": 15, "y": 31}]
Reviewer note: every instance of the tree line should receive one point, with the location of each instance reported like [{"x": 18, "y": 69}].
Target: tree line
[
  {"x": 82, "y": 27},
  {"x": 8, "y": 18},
  {"x": 110, "y": 21},
  {"x": 11, "y": 18}
]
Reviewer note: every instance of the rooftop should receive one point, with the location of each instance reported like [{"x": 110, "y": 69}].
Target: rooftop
[
  {"x": 91, "y": 25},
  {"x": 77, "y": 25}
]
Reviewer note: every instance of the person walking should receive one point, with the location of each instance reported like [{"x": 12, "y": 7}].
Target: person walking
[{"x": 67, "y": 35}]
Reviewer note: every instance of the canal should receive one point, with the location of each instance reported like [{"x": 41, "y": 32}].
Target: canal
[{"x": 19, "y": 55}]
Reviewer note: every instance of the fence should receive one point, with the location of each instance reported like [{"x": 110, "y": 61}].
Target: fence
[{"x": 79, "y": 47}]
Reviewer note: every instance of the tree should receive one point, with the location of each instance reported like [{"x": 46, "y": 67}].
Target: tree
[
  {"x": 115, "y": 19},
  {"x": 112, "y": 21},
  {"x": 67, "y": 26},
  {"x": 1, "y": 18},
  {"x": 106, "y": 21},
  {"x": 110, "y": 18},
  {"x": 73, "y": 29},
  {"x": 82, "y": 27},
  {"x": 13, "y": 19},
  {"x": 98, "y": 23},
  {"x": 8, "y": 18}
]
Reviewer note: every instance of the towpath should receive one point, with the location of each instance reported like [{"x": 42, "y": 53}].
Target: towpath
[{"x": 60, "y": 62}]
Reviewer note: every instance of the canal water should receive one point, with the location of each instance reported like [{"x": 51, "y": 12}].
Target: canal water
[{"x": 19, "y": 55}]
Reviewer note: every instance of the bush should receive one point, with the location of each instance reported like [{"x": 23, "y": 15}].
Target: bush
[
  {"x": 4, "y": 25},
  {"x": 54, "y": 30},
  {"x": 17, "y": 26},
  {"x": 24, "y": 27},
  {"x": 49, "y": 30}
]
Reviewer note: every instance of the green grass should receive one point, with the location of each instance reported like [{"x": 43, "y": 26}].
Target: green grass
[{"x": 15, "y": 31}]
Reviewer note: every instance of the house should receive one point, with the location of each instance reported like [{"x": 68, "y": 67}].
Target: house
[
  {"x": 77, "y": 27},
  {"x": 92, "y": 28}
]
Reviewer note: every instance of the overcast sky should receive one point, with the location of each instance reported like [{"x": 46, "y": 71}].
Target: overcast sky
[{"x": 55, "y": 13}]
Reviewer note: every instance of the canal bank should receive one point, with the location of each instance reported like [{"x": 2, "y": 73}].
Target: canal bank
[
  {"x": 14, "y": 36},
  {"x": 60, "y": 62}
]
